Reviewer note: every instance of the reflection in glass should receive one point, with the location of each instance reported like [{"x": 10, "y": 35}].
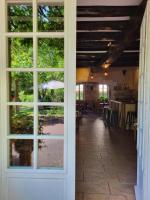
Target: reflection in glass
[
  {"x": 19, "y": 18},
  {"x": 51, "y": 86},
  {"x": 21, "y": 120},
  {"x": 21, "y": 152},
  {"x": 51, "y": 53},
  {"x": 50, "y": 18},
  {"x": 51, "y": 120},
  {"x": 50, "y": 153},
  {"x": 20, "y": 52},
  {"x": 21, "y": 86}
]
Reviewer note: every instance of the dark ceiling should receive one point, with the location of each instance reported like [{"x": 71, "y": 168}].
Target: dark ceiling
[{"x": 105, "y": 30}]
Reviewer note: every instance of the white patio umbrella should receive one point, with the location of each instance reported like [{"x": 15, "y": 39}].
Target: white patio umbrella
[{"x": 53, "y": 85}]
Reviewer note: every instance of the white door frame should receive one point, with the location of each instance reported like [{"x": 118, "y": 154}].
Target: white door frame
[
  {"x": 143, "y": 141},
  {"x": 68, "y": 174}
]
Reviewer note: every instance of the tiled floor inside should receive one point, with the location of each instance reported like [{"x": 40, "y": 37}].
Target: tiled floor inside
[{"x": 106, "y": 162}]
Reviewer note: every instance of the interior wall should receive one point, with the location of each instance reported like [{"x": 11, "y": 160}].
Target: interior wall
[
  {"x": 91, "y": 92},
  {"x": 125, "y": 77}
]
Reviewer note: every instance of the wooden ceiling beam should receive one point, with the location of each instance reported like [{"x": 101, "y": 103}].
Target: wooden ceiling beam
[
  {"x": 97, "y": 55},
  {"x": 93, "y": 64},
  {"x": 129, "y": 36},
  {"x": 99, "y": 36},
  {"x": 105, "y": 11},
  {"x": 104, "y": 36},
  {"x": 101, "y": 25},
  {"x": 102, "y": 46},
  {"x": 90, "y": 60}
]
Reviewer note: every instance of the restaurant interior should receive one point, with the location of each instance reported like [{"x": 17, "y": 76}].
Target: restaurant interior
[
  {"x": 112, "y": 95},
  {"x": 108, "y": 48}
]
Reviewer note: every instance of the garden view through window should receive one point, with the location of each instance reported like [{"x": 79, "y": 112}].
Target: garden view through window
[
  {"x": 36, "y": 85},
  {"x": 103, "y": 92}
]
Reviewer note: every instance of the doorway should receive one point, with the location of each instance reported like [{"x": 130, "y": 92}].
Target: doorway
[{"x": 92, "y": 132}]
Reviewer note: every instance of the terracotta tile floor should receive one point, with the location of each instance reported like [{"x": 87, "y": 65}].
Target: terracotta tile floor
[{"x": 106, "y": 162}]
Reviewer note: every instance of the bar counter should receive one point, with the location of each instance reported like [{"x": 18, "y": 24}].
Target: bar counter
[{"x": 122, "y": 107}]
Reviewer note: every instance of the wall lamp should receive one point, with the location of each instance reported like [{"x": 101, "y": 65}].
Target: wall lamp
[{"x": 106, "y": 65}]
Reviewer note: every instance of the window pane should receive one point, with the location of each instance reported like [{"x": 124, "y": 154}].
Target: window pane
[
  {"x": 103, "y": 91},
  {"x": 50, "y": 18},
  {"x": 77, "y": 88},
  {"x": 50, "y": 153},
  {"x": 51, "y": 86},
  {"x": 51, "y": 53},
  {"x": 81, "y": 95},
  {"x": 81, "y": 87},
  {"x": 21, "y": 152},
  {"x": 20, "y": 52},
  {"x": 19, "y": 18},
  {"x": 100, "y": 86},
  {"x": 21, "y": 86},
  {"x": 77, "y": 92},
  {"x": 51, "y": 120},
  {"x": 21, "y": 120},
  {"x": 81, "y": 92}
]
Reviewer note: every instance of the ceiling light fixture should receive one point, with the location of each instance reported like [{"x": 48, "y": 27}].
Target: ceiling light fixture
[
  {"x": 105, "y": 73},
  {"x": 109, "y": 44},
  {"x": 106, "y": 65},
  {"x": 92, "y": 77}
]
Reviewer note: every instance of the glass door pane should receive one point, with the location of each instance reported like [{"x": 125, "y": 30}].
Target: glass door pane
[{"x": 36, "y": 92}]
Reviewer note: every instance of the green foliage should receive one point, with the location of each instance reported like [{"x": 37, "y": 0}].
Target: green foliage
[
  {"x": 52, "y": 112},
  {"x": 20, "y": 18},
  {"x": 51, "y": 53},
  {"x": 103, "y": 99},
  {"x": 21, "y": 84},
  {"x": 21, "y": 120},
  {"x": 21, "y": 52},
  {"x": 50, "y": 18},
  {"x": 25, "y": 98}
]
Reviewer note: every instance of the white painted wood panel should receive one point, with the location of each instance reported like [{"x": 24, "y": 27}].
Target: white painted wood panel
[
  {"x": 27, "y": 188},
  {"x": 33, "y": 183},
  {"x": 143, "y": 142}
]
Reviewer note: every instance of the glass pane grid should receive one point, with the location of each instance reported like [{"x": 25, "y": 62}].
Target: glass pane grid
[
  {"x": 28, "y": 142},
  {"x": 50, "y": 17},
  {"x": 21, "y": 17}
]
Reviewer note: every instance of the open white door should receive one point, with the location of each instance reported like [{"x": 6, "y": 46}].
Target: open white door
[
  {"x": 37, "y": 96},
  {"x": 143, "y": 143}
]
